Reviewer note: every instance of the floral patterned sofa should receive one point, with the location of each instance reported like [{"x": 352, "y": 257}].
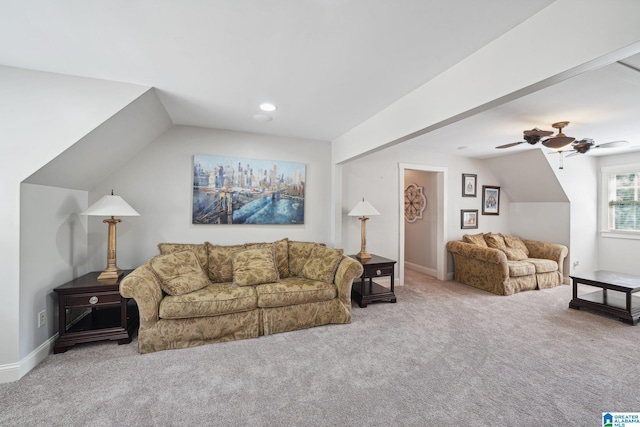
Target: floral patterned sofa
[
  {"x": 194, "y": 294},
  {"x": 505, "y": 264}
]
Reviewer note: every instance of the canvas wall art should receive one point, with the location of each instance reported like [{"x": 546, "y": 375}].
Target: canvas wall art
[{"x": 234, "y": 190}]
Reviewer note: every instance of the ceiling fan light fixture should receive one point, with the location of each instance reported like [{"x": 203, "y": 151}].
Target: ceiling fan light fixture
[
  {"x": 560, "y": 140},
  {"x": 557, "y": 142}
]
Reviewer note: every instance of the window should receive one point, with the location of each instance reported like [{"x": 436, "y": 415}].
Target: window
[
  {"x": 621, "y": 201},
  {"x": 624, "y": 201}
]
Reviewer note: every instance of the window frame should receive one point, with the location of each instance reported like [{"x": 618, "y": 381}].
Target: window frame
[{"x": 605, "y": 172}]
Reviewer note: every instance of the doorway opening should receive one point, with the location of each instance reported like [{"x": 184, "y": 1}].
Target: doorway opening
[{"x": 424, "y": 250}]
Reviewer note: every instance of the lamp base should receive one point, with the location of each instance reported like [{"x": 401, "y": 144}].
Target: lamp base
[
  {"x": 110, "y": 275},
  {"x": 363, "y": 255}
]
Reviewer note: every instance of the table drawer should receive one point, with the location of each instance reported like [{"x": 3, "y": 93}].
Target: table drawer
[
  {"x": 376, "y": 271},
  {"x": 89, "y": 300}
]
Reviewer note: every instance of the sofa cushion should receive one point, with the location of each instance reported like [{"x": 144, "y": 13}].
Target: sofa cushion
[
  {"x": 543, "y": 265},
  {"x": 221, "y": 261},
  {"x": 322, "y": 264},
  {"x": 520, "y": 268},
  {"x": 298, "y": 254},
  {"x": 179, "y": 272},
  {"x": 214, "y": 300},
  {"x": 199, "y": 249},
  {"x": 294, "y": 290},
  {"x": 255, "y": 267},
  {"x": 475, "y": 239},
  {"x": 282, "y": 254}
]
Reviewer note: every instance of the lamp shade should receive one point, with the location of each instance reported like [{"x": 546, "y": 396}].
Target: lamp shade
[
  {"x": 110, "y": 205},
  {"x": 363, "y": 209}
]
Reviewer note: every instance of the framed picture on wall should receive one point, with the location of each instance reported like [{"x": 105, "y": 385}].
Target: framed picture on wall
[
  {"x": 469, "y": 182},
  {"x": 469, "y": 218},
  {"x": 234, "y": 190},
  {"x": 490, "y": 200}
]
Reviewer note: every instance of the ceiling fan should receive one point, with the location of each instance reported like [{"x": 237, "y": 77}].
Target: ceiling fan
[{"x": 534, "y": 136}]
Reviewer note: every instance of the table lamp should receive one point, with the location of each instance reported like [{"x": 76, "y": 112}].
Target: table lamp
[
  {"x": 112, "y": 206},
  {"x": 361, "y": 210}
]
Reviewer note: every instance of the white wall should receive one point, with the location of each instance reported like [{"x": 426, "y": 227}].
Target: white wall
[
  {"x": 158, "y": 182},
  {"x": 617, "y": 254},
  {"x": 375, "y": 177},
  {"x": 42, "y": 115},
  {"x": 579, "y": 180},
  {"x": 53, "y": 250},
  {"x": 540, "y": 221},
  {"x": 420, "y": 235}
]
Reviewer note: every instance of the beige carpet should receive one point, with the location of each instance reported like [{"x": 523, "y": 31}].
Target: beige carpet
[{"x": 445, "y": 354}]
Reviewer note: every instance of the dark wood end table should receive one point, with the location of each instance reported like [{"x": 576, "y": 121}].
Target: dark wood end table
[
  {"x": 112, "y": 316},
  {"x": 364, "y": 289},
  {"x": 620, "y": 303}
]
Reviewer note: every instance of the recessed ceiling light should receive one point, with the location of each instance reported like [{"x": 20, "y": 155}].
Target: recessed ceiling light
[
  {"x": 268, "y": 107},
  {"x": 263, "y": 117}
]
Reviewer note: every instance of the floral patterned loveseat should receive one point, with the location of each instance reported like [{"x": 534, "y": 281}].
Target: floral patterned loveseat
[
  {"x": 194, "y": 294},
  {"x": 505, "y": 264}
]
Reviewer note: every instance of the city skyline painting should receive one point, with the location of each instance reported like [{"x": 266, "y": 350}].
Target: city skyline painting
[{"x": 236, "y": 190}]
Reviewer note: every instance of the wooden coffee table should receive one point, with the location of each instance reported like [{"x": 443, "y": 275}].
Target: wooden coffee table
[{"x": 616, "y": 296}]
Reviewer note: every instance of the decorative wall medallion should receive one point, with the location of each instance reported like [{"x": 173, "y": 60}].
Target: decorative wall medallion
[{"x": 415, "y": 203}]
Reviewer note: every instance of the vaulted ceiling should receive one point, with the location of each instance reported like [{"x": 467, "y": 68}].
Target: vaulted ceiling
[{"x": 327, "y": 65}]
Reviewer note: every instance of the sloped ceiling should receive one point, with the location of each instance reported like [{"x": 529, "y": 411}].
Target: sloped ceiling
[
  {"x": 527, "y": 177},
  {"x": 114, "y": 142}
]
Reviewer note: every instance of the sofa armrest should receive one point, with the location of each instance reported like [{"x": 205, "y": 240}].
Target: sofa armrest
[
  {"x": 469, "y": 250},
  {"x": 143, "y": 286},
  {"x": 347, "y": 270},
  {"x": 544, "y": 250}
]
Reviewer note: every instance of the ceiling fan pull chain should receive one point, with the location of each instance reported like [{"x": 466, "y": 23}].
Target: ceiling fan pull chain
[{"x": 561, "y": 160}]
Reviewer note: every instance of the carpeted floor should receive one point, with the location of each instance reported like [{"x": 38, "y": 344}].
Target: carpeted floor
[{"x": 446, "y": 354}]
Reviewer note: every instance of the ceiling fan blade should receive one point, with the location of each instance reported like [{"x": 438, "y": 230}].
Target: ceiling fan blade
[
  {"x": 537, "y": 132},
  {"x": 612, "y": 144},
  {"x": 513, "y": 144},
  {"x": 575, "y": 153}
]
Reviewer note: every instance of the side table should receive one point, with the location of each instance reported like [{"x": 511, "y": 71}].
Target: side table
[
  {"x": 112, "y": 316},
  {"x": 364, "y": 289}
]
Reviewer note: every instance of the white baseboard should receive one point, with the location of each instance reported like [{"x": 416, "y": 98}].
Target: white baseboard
[
  {"x": 421, "y": 269},
  {"x": 14, "y": 371}
]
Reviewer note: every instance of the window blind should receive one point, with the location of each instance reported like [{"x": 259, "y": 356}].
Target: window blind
[{"x": 624, "y": 201}]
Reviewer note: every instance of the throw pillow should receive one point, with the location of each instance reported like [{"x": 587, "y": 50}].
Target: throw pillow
[
  {"x": 498, "y": 241},
  {"x": 514, "y": 254},
  {"x": 322, "y": 264},
  {"x": 179, "y": 272},
  {"x": 475, "y": 239},
  {"x": 255, "y": 267},
  {"x": 298, "y": 255},
  {"x": 495, "y": 241},
  {"x": 221, "y": 262},
  {"x": 514, "y": 243},
  {"x": 282, "y": 254},
  {"x": 199, "y": 249}
]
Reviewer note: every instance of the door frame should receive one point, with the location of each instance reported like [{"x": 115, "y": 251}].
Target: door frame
[{"x": 441, "y": 221}]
